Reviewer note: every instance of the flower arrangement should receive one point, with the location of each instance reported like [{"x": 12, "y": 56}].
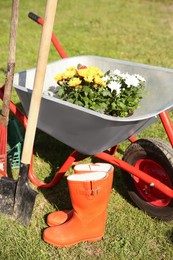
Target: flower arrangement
[{"x": 112, "y": 93}]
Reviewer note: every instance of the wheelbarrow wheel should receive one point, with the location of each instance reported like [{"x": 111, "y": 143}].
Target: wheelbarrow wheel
[{"x": 154, "y": 157}]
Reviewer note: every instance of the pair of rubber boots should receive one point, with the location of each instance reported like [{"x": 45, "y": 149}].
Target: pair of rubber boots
[{"x": 90, "y": 189}]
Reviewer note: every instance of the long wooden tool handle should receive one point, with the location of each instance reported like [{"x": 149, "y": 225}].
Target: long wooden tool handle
[
  {"x": 11, "y": 62},
  {"x": 39, "y": 81}
]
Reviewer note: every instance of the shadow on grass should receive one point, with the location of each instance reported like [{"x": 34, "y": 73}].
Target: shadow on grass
[
  {"x": 57, "y": 155},
  {"x": 54, "y": 153},
  {"x": 58, "y": 196},
  {"x": 169, "y": 235}
]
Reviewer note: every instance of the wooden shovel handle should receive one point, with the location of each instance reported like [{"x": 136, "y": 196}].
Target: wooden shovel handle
[
  {"x": 11, "y": 61},
  {"x": 39, "y": 80}
]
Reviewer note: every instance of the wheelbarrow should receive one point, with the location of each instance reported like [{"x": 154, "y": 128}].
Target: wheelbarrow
[{"x": 147, "y": 164}]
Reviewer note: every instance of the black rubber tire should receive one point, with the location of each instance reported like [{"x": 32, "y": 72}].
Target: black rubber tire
[{"x": 159, "y": 152}]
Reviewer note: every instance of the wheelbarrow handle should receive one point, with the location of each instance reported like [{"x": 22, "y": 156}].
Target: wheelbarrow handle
[
  {"x": 54, "y": 40},
  {"x": 34, "y": 17}
]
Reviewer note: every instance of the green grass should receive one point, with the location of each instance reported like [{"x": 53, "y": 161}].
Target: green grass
[{"x": 137, "y": 30}]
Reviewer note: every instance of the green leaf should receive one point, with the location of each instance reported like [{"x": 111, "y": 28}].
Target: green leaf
[
  {"x": 79, "y": 103},
  {"x": 106, "y": 93},
  {"x": 60, "y": 92}
]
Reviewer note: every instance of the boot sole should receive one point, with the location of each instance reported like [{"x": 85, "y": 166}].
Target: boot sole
[{"x": 74, "y": 243}]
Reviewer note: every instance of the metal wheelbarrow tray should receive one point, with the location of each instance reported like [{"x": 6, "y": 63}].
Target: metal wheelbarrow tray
[{"x": 87, "y": 131}]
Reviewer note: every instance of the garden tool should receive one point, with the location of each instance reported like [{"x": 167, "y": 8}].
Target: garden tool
[
  {"x": 4, "y": 117},
  {"x": 89, "y": 194},
  {"x": 8, "y": 185},
  {"x": 60, "y": 217},
  {"x": 25, "y": 197}
]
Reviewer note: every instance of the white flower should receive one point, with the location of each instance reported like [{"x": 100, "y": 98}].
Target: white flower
[
  {"x": 106, "y": 78},
  {"x": 113, "y": 73},
  {"x": 113, "y": 85},
  {"x": 132, "y": 81},
  {"x": 125, "y": 76},
  {"x": 140, "y": 77}
]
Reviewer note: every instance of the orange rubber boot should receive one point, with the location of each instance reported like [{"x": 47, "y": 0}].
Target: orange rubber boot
[
  {"x": 89, "y": 196},
  {"x": 59, "y": 217}
]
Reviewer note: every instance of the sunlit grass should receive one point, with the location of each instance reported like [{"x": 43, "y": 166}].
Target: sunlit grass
[{"x": 140, "y": 31}]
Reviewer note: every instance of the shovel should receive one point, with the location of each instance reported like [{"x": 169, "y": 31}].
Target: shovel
[
  {"x": 25, "y": 196},
  {"x": 8, "y": 185}
]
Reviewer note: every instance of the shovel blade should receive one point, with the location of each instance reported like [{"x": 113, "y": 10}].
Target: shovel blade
[
  {"x": 7, "y": 195},
  {"x": 24, "y": 198}
]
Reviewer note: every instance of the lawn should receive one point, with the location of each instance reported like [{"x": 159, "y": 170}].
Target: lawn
[{"x": 138, "y": 31}]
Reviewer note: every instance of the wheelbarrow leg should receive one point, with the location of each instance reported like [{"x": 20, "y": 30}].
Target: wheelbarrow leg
[{"x": 167, "y": 124}]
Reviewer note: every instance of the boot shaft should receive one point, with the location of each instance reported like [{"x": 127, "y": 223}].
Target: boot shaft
[
  {"x": 89, "y": 194},
  {"x": 97, "y": 167}
]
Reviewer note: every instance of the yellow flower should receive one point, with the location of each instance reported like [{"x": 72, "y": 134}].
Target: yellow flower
[
  {"x": 98, "y": 80},
  {"x": 88, "y": 72},
  {"x": 74, "y": 82},
  {"x": 71, "y": 69},
  {"x": 93, "y": 70},
  {"x": 68, "y": 74},
  {"x": 88, "y": 79},
  {"x": 83, "y": 72},
  {"x": 59, "y": 77}
]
